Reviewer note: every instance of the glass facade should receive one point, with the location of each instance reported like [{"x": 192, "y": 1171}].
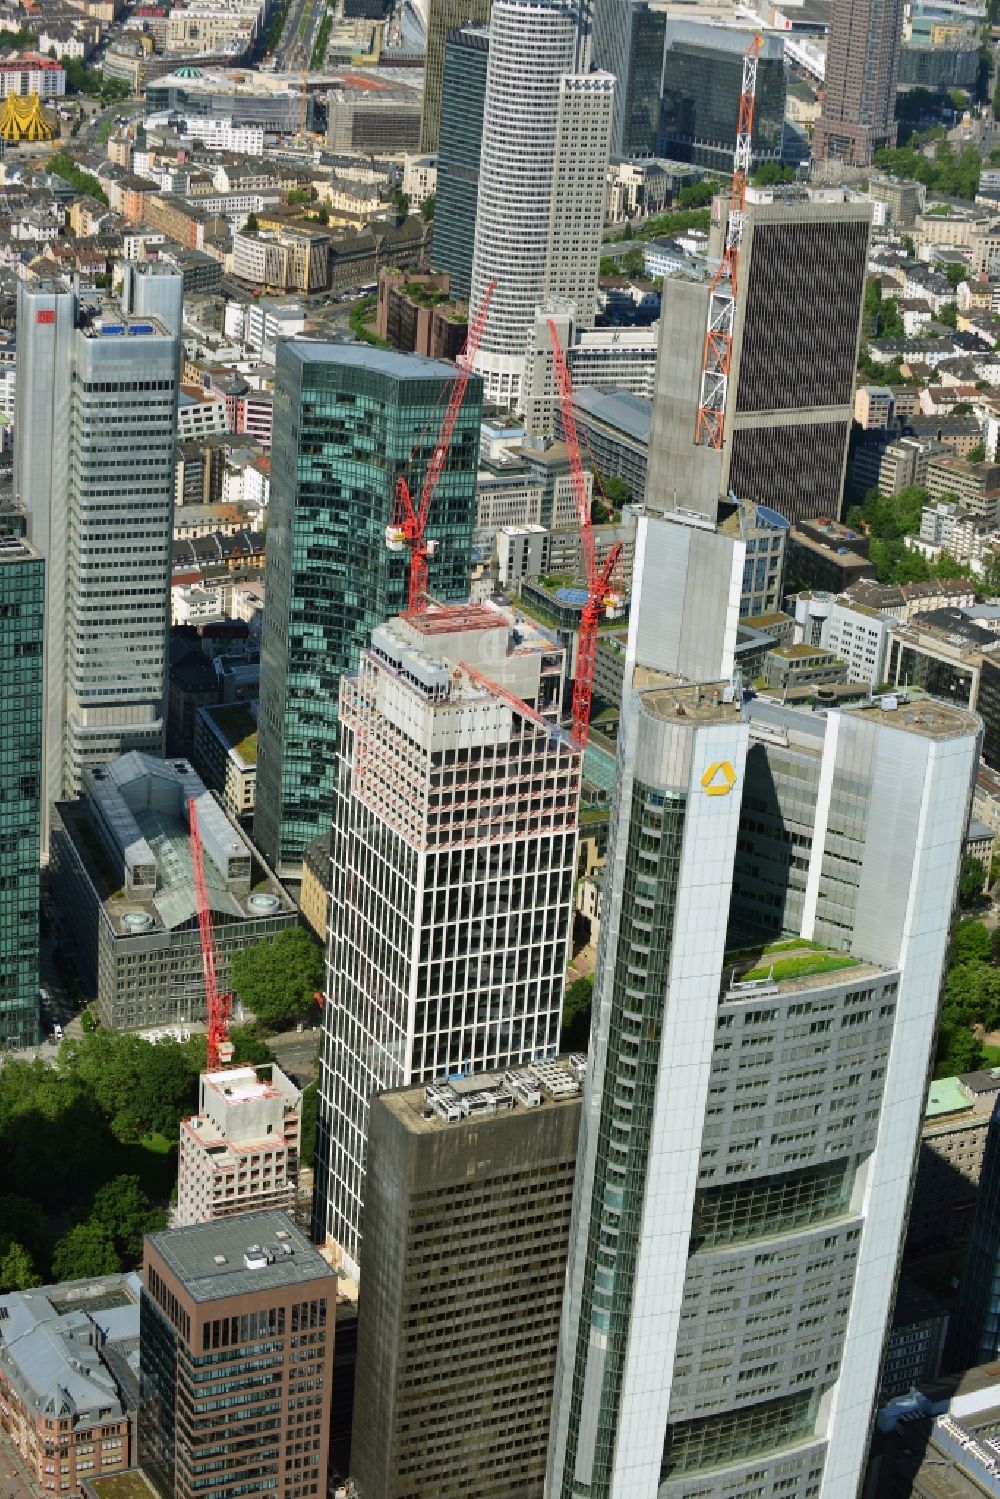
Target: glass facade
[
  {"x": 22, "y": 602},
  {"x": 639, "y": 105},
  {"x": 975, "y": 1330},
  {"x": 348, "y": 420},
  {"x": 655, "y": 835},
  {"x": 462, "y": 106},
  {"x": 702, "y": 80}
]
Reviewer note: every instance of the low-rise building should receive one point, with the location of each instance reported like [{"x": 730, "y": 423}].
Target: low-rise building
[
  {"x": 122, "y": 874},
  {"x": 855, "y": 632},
  {"x": 975, "y": 486},
  {"x": 225, "y": 754},
  {"x": 69, "y": 1379},
  {"x": 942, "y": 652},
  {"x": 802, "y": 666},
  {"x": 824, "y": 554},
  {"x": 282, "y": 259},
  {"x": 240, "y": 1152},
  {"x": 314, "y": 892}
]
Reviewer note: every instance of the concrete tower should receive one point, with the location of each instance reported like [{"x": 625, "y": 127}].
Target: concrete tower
[{"x": 542, "y": 174}]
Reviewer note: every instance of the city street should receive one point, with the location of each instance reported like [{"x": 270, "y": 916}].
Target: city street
[{"x": 13, "y": 1478}]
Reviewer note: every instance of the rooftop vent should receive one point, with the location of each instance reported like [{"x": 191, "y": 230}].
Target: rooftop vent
[
  {"x": 255, "y": 1258},
  {"x": 220, "y": 1259}
]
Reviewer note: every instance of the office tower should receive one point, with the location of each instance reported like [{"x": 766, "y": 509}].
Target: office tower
[
  {"x": 453, "y": 859},
  {"x": 791, "y": 385},
  {"x": 240, "y": 1152},
  {"x": 467, "y": 1222},
  {"x": 443, "y": 16},
  {"x": 236, "y": 1358},
  {"x": 94, "y": 467},
  {"x": 859, "y": 90},
  {"x": 974, "y": 1335},
  {"x": 627, "y": 41},
  {"x": 540, "y": 211},
  {"x": 459, "y": 147},
  {"x": 702, "y": 83},
  {"x": 22, "y": 605},
  {"x": 777, "y": 913},
  {"x": 349, "y": 420}
]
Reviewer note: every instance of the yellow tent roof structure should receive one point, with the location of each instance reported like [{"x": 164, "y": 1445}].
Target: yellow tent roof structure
[{"x": 22, "y": 118}]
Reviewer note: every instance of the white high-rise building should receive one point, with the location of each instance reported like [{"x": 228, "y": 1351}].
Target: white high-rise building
[
  {"x": 542, "y": 184},
  {"x": 96, "y": 431},
  {"x": 453, "y": 860},
  {"x": 777, "y": 907}
]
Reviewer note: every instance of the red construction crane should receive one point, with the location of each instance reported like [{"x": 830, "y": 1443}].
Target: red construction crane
[
  {"x": 601, "y": 597},
  {"x": 218, "y": 1006},
  {"x": 408, "y": 526},
  {"x": 718, "y": 353}
]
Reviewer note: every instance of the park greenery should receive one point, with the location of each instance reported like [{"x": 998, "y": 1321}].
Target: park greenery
[
  {"x": 360, "y": 319},
  {"x": 87, "y": 185},
  {"x": 945, "y": 170},
  {"x": 91, "y": 81},
  {"x": 888, "y": 519},
  {"x": 576, "y": 1014},
  {"x": 278, "y": 979},
  {"x": 318, "y": 58},
  {"x": 970, "y": 1001}
]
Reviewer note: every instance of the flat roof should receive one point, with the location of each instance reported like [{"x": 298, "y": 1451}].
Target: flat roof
[
  {"x": 365, "y": 356},
  {"x": 945, "y": 1096},
  {"x": 428, "y": 1108},
  {"x": 702, "y": 704},
  {"x": 929, "y": 717},
  {"x": 208, "y": 1258}
]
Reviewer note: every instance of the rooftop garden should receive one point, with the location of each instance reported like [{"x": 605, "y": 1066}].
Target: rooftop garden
[{"x": 792, "y": 958}]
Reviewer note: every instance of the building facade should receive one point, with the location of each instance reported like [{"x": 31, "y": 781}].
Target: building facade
[
  {"x": 22, "y": 608},
  {"x": 249, "y": 1305},
  {"x": 443, "y": 17},
  {"x": 540, "y": 210},
  {"x": 240, "y": 1152},
  {"x": 627, "y": 41},
  {"x": 790, "y": 393},
  {"x": 97, "y": 429},
  {"x": 449, "y": 935},
  {"x": 702, "y": 83},
  {"x": 349, "y": 420},
  {"x": 859, "y": 89},
  {"x": 738, "y": 1210},
  {"x": 472, "y": 1174},
  {"x": 459, "y": 145},
  {"x": 123, "y": 879}
]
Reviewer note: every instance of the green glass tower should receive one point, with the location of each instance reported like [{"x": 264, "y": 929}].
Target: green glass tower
[
  {"x": 348, "y": 420},
  {"x": 22, "y": 602},
  {"x": 461, "y": 138}
]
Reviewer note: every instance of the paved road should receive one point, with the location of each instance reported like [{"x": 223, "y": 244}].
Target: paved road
[
  {"x": 296, "y": 1054},
  {"x": 13, "y": 1476},
  {"x": 299, "y": 34}
]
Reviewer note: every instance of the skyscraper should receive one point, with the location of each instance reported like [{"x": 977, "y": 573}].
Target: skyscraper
[
  {"x": 974, "y": 1333},
  {"x": 702, "y": 83},
  {"x": 859, "y": 90},
  {"x": 348, "y": 420},
  {"x": 475, "y": 1175},
  {"x": 22, "y": 604},
  {"x": 443, "y": 16},
  {"x": 627, "y": 41},
  {"x": 96, "y": 431},
  {"x": 778, "y": 905},
  {"x": 459, "y": 146},
  {"x": 453, "y": 860},
  {"x": 542, "y": 183},
  {"x": 791, "y": 384}
]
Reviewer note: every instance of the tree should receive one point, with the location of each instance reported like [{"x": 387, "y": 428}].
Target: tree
[
  {"x": 17, "y": 1269},
  {"x": 401, "y": 201},
  {"x": 772, "y": 173},
  {"x": 971, "y": 881},
  {"x": 948, "y": 314},
  {"x": 310, "y": 1107},
  {"x": 249, "y": 1047},
  {"x": 576, "y": 1014},
  {"x": 697, "y": 194},
  {"x": 970, "y": 941},
  {"x": 123, "y": 1211},
  {"x": 251, "y": 226},
  {"x": 297, "y": 195},
  {"x": 956, "y": 274},
  {"x": 87, "y": 1249},
  {"x": 958, "y": 1051},
  {"x": 323, "y": 215},
  {"x": 977, "y": 454},
  {"x": 276, "y": 979},
  {"x": 427, "y": 207}
]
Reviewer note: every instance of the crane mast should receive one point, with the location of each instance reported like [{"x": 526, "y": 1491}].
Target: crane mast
[
  {"x": 219, "y": 1051},
  {"x": 408, "y": 527},
  {"x": 601, "y": 597},
  {"x": 717, "y": 356}
]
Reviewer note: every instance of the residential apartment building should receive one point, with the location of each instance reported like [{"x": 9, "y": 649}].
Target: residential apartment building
[
  {"x": 22, "y": 609},
  {"x": 225, "y": 754},
  {"x": 349, "y": 421},
  {"x": 249, "y": 1304},
  {"x": 859, "y": 93},
  {"x": 790, "y": 396},
  {"x": 976, "y": 486},
  {"x": 855, "y": 632},
  {"x": 67, "y": 1391},
  {"x": 463, "y": 102},
  {"x": 738, "y": 1209},
  {"x": 123, "y": 879},
  {"x": 94, "y": 468},
  {"x": 454, "y": 854},
  {"x": 444, "y": 17},
  {"x": 475, "y": 1174},
  {"x": 282, "y": 260},
  {"x": 540, "y": 211},
  {"x": 240, "y": 1152}
]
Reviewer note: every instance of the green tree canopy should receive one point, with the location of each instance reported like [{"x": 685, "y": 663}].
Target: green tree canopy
[
  {"x": 427, "y": 207},
  {"x": 277, "y": 979},
  {"x": 17, "y": 1269},
  {"x": 122, "y": 1210},
  {"x": 971, "y": 940},
  {"x": 576, "y": 1014},
  {"x": 772, "y": 174},
  {"x": 971, "y": 881},
  {"x": 87, "y": 1249}
]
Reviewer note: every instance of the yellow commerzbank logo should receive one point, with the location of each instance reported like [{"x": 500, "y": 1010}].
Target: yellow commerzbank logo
[{"x": 719, "y": 779}]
